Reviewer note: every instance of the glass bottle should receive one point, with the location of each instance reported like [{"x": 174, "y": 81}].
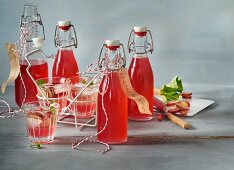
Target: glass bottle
[
  {"x": 30, "y": 29},
  {"x": 112, "y": 102},
  {"x": 140, "y": 71},
  {"x": 65, "y": 64}
]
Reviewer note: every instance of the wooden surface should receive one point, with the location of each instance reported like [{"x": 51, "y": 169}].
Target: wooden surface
[{"x": 151, "y": 145}]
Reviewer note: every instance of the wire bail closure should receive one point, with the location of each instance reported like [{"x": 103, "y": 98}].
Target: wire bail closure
[
  {"x": 149, "y": 46},
  {"x": 57, "y": 42},
  {"x": 105, "y": 61},
  {"x": 35, "y": 20}
]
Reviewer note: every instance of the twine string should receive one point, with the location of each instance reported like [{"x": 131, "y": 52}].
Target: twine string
[
  {"x": 23, "y": 47},
  {"x": 77, "y": 143}
]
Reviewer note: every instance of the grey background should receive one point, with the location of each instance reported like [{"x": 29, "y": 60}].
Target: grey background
[{"x": 193, "y": 38}]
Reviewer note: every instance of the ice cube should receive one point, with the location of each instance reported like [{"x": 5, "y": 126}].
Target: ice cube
[
  {"x": 60, "y": 88},
  {"x": 34, "y": 121}
]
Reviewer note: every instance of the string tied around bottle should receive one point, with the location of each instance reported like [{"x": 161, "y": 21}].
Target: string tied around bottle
[{"x": 105, "y": 66}]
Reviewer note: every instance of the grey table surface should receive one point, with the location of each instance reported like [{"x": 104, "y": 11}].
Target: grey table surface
[{"x": 151, "y": 145}]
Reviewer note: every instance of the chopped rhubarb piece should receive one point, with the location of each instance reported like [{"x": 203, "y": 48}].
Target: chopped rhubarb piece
[
  {"x": 159, "y": 104},
  {"x": 181, "y": 106},
  {"x": 187, "y": 95},
  {"x": 174, "y": 110},
  {"x": 34, "y": 120},
  {"x": 159, "y": 116},
  {"x": 36, "y": 114},
  {"x": 185, "y": 103},
  {"x": 172, "y": 103},
  {"x": 183, "y": 112}
]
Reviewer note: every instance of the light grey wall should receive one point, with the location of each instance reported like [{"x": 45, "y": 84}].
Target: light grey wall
[{"x": 193, "y": 38}]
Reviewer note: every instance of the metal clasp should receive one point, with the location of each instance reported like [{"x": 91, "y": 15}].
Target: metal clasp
[
  {"x": 57, "y": 43},
  {"x": 37, "y": 19},
  {"x": 105, "y": 60},
  {"x": 131, "y": 43}
]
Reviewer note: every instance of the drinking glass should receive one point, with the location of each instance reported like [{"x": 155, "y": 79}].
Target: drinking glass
[
  {"x": 56, "y": 89},
  {"x": 85, "y": 105},
  {"x": 41, "y": 121}
]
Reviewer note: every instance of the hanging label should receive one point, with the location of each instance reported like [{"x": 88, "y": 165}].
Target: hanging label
[
  {"x": 14, "y": 59},
  {"x": 126, "y": 85}
]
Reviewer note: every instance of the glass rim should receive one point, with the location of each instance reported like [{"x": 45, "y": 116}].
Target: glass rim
[
  {"x": 52, "y": 98},
  {"x": 38, "y": 104},
  {"x": 52, "y": 78},
  {"x": 72, "y": 85},
  {"x": 87, "y": 101}
]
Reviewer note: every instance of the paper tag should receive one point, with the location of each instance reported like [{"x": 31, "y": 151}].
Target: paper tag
[
  {"x": 126, "y": 85},
  {"x": 14, "y": 59}
]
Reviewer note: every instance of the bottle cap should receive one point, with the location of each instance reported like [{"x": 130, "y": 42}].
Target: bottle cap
[
  {"x": 112, "y": 44},
  {"x": 140, "y": 29},
  {"x": 64, "y": 25},
  {"x": 38, "y": 42}
]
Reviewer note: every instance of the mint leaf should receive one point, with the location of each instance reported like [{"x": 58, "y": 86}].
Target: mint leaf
[
  {"x": 172, "y": 90},
  {"x": 83, "y": 82},
  {"x": 38, "y": 146},
  {"x": 40, "y": 82},
  {"x": 91, "y": 83},
  {"x": 52, "y": 109}
]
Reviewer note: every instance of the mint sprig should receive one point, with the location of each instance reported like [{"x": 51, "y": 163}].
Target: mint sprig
[
  {"x": 52, "y": 109},
  {"x": 172, "y": 90},
  {"x": 40, "y": 82},
  {"x": 37, "y": 146}
]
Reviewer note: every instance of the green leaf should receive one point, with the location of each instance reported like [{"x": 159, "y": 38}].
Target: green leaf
[
  {"x": 91, "y": 83},
  {"x": 172, "y": 90},
  {"x": 52, "y": 109},
  {"x": 83, "y": 82},
  {"x": 40, "y": 82},
  {"x": 38, "y": 146}
]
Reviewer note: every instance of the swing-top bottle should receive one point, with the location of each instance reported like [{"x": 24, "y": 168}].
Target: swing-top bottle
[
  {"x": 140, "y": 71},
  {"x": 112, "y": 102}
]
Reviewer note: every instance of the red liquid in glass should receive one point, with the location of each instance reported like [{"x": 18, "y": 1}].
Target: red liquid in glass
[
  {"x": 65, "y": 64},
  {"x": 41, "y": 126},
  {"x": 141, "y": 76},
  {"x": 115, "y": 103},
  {"x": 38, "y": 69}
]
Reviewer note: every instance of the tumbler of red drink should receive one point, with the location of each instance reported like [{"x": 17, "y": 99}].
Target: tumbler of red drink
[
  {"x": 41, "y": 121},
  {"x": 85, "y": 105},
  {"x": 55, "y": 89}
]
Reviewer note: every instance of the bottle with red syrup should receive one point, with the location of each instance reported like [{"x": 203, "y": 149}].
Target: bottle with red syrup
[
  {"x": 31, "y": 29},
  {"x": 112, "y": 102},
  {"x": 65, "y": 39},
  {"x": 140, "y": 71}
]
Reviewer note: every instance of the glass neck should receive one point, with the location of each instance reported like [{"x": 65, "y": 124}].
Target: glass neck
[
  {"x": 31, "y": 32},
  {"x": 65, "y": 39},
  {"x": 140, "y": 43},
  {"x": 114, "y": 60}
]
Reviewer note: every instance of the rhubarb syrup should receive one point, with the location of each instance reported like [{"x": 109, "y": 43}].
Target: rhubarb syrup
[
  {"x": 141, "y": 76},
  {"x": 140, "y": 72},
  {"x": 65, "y": 64},
  {"x": 115, "y": 104},
  {"x": 38, "y": 69},
  {"x": 112, "y": 105}
]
